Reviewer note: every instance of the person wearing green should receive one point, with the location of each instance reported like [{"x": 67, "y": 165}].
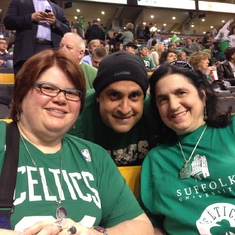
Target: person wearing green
[
  {"x": 74, "y": 45},
  {"x": 116, "y": 113},
  {"x": 187, "y": 182},
  {"x": 64, "y": 185}
]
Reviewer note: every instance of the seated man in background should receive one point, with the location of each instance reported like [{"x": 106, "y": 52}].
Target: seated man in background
[
  {"x": 148, "y": 62},
  {"x": 74, "y": 44},
  {"x": 116, "y": 114},
  {"x": 6, "y": 59},
  {"x": 91, "y": 47},
  {"x": 97, "y": 55},
  {"x": 226, "y": 69},
  {"x": 130, "y": 47}
]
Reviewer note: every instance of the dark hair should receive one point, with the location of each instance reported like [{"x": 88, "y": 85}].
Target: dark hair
[
  {"x": 200, "y": 82},
  {"x": 35, "y": 66},
  {"x": 164, "y": 55},
  {"x": 229, "y": 52}
]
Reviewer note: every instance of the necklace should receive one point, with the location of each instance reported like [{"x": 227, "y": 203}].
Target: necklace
[
  {"x": 60, "y": 211},
  {"x": 186, "y": 170}
]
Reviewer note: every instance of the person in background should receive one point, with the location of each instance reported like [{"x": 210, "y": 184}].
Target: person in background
[
  {"x": 181, "y": 55},
  {"x": 200, "y": 60},
  {"x": 118, "y": 46},
  {"x": 73, "y": 44},
  {"x": 91, "y": 47},
  {"x": 116, "y": 114},
  {"x": 168, "y": 56},
  {"x": 153, "y": 37},
  {"x": 159, "y": 48},
  {"x": 60, "y": 175},
  {"x": 191, "y": 47},
  {"x": 131, "y": 47},
  {"x": 39, "y": 25},
  {"x": 6, "y": 59},
  {"x": 207, "y": 38},
  {"x": 77, "y": 27},
  {"x": 97, "y": 55},
  {"x": 231, "y": 37},
  {"x": 226, "y": 69},
  {"x": 94, "y": 32},
  {"x": 222, "y": 40},
  {"x": 143, "y": 53},
  {"x": 196, "y": 142},
  {"x": 127, "y": 35}
]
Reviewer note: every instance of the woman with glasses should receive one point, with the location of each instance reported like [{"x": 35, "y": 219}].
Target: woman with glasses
[
  {"x": 187, "y": 181},
  {"x": 70, "y": 185}
]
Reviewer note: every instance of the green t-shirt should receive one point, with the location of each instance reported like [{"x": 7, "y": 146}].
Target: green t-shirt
[
  {"x": 203, "y": 203},
  {"x": 125, "y": 148},
  {"x": 93, "y": 191},
  {"x": 89, "y": 74}
]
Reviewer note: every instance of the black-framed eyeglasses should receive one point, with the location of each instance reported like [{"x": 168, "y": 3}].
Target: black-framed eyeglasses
[
  {"x": 52, "y": 91},
  {"x": 183, "y": 64}
]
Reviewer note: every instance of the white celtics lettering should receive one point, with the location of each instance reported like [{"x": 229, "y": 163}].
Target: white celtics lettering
[
  {"x": 205, "y": 190},
  {"x": 72, "y": 183},
  {"x": 218, "y": 218}
]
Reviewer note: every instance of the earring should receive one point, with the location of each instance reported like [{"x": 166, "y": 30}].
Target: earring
[
  {"x": 205, "y": 114},
  {"x": 17, "y": 117},
  {"x": 74, "y": 126}
]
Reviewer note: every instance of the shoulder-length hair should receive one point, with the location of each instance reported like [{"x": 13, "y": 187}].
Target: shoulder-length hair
[
  {"x": 200, "y": 82},
  {"x": 35, "y": 66}
]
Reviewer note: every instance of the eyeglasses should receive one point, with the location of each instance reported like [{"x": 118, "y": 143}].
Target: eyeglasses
[
  {"x": 183, "y": 64},
  {"x": 52, "y": 91}
]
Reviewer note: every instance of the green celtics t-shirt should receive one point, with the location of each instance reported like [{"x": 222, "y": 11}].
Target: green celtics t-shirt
[
  {"x": 204, "y": 203},
  {"x": 128, "y": 148},
  {"x": 92, "y": 190}
]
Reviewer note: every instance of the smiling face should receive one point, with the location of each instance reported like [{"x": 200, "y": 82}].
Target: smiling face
[
  {"x": 121, "y": 105},
  {"x": 48, "y": 117},
  {"x": 179, "y": 104}
]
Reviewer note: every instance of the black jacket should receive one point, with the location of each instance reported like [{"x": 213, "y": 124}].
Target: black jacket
[{"x": 225, "y": 72}]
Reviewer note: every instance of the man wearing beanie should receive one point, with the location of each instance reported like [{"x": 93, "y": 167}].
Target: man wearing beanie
[{"x": 116, "y": 114}]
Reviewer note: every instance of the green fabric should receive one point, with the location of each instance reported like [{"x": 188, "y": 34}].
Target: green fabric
[
  {"x": 89, "y": 74},
  {"x": 222, "y": 46},
  {"x": 203, "y": 205},
  {"x": 126, "y": 149},
  {"x": 148, "y": 62},
  {"x": 92, "y": 188}
]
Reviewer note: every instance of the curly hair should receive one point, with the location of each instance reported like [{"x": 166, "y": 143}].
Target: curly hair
[{"x": 200, "y": 82}]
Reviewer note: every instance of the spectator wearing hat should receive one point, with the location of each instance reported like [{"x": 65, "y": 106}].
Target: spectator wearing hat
[
  {"x": 94, "y": 32},
  {"x": 148, "y": 62},
  {"x": 116, "y": 114},
  {"x": 130, "y": 47}
]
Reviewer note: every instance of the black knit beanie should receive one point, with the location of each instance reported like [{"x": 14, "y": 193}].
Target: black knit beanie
[{"x": 120, "y": 66}]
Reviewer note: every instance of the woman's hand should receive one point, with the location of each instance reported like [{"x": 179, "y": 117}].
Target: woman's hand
[{"x": 58, "y": 227}]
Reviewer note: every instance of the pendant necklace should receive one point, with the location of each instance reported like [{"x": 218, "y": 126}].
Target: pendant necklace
[
  {"x": 186, "y": 170},
  {"x": 60, "y": 211}
]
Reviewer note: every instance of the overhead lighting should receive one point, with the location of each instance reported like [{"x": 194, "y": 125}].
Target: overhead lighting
[
  {"x": 203, "y": 20},
  {"x": 152, "y": 16},
  {"x": 75, "y": 17},
  {"x": 223, "y": 21},
  {"x": 192, "y": 25},
  {"x": 78, "y": 10},
  {"x": 144, "y": 23},
  {"x": 173, "y": 17},
  {"x": 98, "y": 19},
  {"x": 102, "y": 12},
  {"x": 164, "y": 24},
  {"x": 211, "y": 27}
]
